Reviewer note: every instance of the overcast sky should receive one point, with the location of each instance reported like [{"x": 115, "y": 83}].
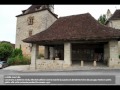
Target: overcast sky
[{"x": 8, "y": 13}]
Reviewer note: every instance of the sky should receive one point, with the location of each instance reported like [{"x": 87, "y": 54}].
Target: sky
[{"x": 8, "y": 15}]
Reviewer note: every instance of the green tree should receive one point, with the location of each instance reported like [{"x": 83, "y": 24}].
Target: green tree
[
  {"x": 6, "y": 50},
  {"x": 102, "y": 19}
]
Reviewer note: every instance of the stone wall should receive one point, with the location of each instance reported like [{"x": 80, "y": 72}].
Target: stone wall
[
  {"x": 42, "y": 20},
  {"x": 111, "y": 55},
  {"x": 115, "y": 24},
  {"x": 49, "y": 64},
  {"x": 114, "y": 56}
]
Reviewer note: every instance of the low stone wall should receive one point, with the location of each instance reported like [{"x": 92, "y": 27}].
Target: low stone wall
[
  {"x": 49, "y": 64},
  {"x": 113, "y": 63}
]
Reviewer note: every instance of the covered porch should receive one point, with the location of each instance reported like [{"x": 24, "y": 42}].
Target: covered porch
[{"x": 68, "y": 54}]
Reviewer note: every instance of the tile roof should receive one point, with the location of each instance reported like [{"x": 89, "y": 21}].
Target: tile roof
[
  {"x": 33, "y": 8},
  {"x": 116, "y": 15},
  {"x": 76, "y": 27}
]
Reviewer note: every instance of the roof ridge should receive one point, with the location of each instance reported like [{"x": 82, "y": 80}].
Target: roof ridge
[
  {"x": 115, "y": 15},
  {"x": 74, "y": 15}
]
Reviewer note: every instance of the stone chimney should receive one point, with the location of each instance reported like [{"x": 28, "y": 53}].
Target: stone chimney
[
  {"x": 108, "y": 14},
  {"x": 51, "y": 8}
]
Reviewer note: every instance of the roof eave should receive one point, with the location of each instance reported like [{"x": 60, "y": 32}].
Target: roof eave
[
  {"x": 38, "y": 11},
  {"x": 70, "y": 40}
]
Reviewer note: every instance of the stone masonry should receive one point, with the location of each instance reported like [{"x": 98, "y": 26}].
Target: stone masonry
[
  {"x": 42, "y": 20},
  {"x": 115, "y": 24},
  {"x": 114, "y": 56},
  {"x": 34, "y": 56},
  {"x": 49, "y": 64},
  {"x": 111, "y": 56},
  {"x": 67, "y": 54},
  {"x": 113, "y": 46}
]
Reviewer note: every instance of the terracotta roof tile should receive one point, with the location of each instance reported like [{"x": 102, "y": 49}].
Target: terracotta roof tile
[
  {"x": 116, "y": 15},
  {"x": 76, "y": 27},
  {"x": 33, "y": 8}
]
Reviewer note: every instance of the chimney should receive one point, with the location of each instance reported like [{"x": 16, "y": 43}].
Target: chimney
[{"x": 108, "y": 14}]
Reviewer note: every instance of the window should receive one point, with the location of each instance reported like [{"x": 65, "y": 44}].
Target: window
[
  {"x": 30, "y": 20},
  {"x": 30, "y": 33}
]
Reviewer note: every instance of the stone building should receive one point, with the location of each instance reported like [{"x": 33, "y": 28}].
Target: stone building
[
  {"x": 113, "y": 21},
  {"x": 73, "y": 38},
  {"x": 33, "y": 20}
]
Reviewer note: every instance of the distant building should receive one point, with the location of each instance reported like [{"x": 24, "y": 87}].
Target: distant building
[{"x": 114, "y": 22}]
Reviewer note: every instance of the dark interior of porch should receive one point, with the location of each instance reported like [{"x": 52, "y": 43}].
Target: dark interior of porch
[{"x": 87, "y": 53}]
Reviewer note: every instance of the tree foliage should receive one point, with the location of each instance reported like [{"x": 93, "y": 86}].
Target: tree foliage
[
  {"x": 102, "y": 19},
  {"x": 17, "y": 58},
  {"x": 17, "y": 52},
  {"x": 5, "y": 50}
]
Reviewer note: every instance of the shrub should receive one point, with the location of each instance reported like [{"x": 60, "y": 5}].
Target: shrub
[
  {"x": 6, "y": 50},
  {"x": 11, "y": 61},
  {"x": 40, "y": 55},
  {"x": 17, "y": 58},
  {"x": 17, "y": 52},
  {"x": 26, "y": 60}
]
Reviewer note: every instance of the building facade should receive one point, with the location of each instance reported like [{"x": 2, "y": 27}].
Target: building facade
[
  {"x": 113, "y": 20},
  {"x": 33, "y": 20}
]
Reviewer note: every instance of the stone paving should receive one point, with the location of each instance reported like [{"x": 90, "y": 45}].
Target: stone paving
[{"x": 17, "y": 67}]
